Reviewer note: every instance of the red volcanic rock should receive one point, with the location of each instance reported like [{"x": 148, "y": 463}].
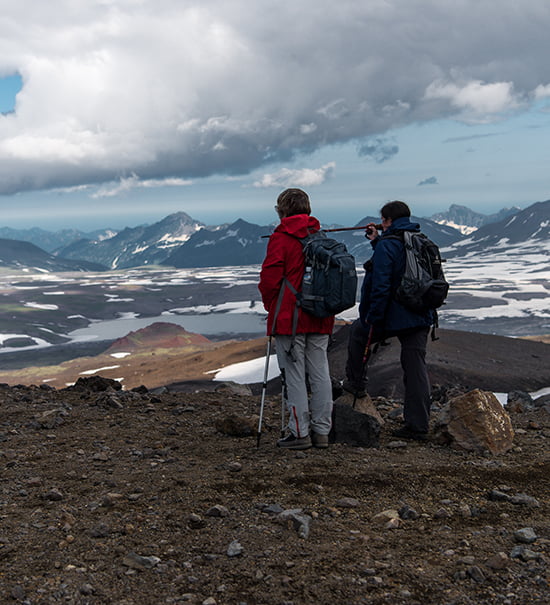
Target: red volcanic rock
[{"x": 159, "y": 335}]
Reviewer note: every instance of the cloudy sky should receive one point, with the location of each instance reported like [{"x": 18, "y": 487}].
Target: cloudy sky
[{"x": 119, "y": 112}]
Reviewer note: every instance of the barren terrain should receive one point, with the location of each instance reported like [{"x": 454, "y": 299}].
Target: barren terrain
[{"x": 135, "y": 498}]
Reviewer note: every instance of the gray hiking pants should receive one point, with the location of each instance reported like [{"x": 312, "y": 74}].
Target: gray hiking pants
[{"x": 308, "y": 357}]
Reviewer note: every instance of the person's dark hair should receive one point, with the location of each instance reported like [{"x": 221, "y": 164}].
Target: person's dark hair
[
  {"x": 293, "y": 201},
  {"x": 395, "y": 210}
]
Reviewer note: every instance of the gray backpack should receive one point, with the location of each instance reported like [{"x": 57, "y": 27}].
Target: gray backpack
[{"x": 423, "y": 286}]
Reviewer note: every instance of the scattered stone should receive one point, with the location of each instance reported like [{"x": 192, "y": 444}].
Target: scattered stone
[
  {"x": 385, "y": 516},
  {"x": 476, "y": 421},
  {"x": 50, "y": 419},
  {"x": 139, "y": 562},
  {"x": 498, "y": 496},
  {"x": 111, "y": 499},
  {"x": 101, "y": 530},
  {"x": 396, "y": 445},
  {"x": 300, "y": 521},
  {"x": 526, "y": 535},
  {"x": 465, "y": 510},
  {"x": 442, "y": 513},
  {"x": 272, "y": 509},
  {"x": 235, "y": 549},
  {"x": 107, "y": 400},
  {"x": 524, "y": 500},
  {"x": 542, "y": 401},
  {"x": 87, "y": 589},
  {"x": 406, "y": 512},
  {"x": 237, "y": 426},
  {"x": 96, "y": 384},
  {"x": 54, "y": 495},
  {"x": 347, "y": 503},
  {"x": 395, "y": 414},
  {"x": 498, "y": 561},
  {"x": 519, "y": 401},
  {"x": 196, "y": 521},
  {"x": 34, "y": 481},
  {"x": 235, "y": 467},
  {"x": 67, "y": 520},
  {"x": 233, "y": 388},
  {"x": 476, "y": 574},
  {"x": 217, "y": 511},
  {"x": 524, "y": 554}
]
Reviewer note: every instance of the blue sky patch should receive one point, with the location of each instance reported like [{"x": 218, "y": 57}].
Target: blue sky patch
[{"x": 9, "y": 87}]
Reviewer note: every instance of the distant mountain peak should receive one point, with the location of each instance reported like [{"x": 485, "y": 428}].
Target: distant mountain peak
[{"x": 467, "y": 220}]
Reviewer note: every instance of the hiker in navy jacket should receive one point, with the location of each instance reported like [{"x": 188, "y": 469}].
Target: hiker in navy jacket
[
  {"x": 380, "y": 316},
  {"x": 304, "y": 354}
]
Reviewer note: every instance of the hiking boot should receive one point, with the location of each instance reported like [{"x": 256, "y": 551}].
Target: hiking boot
[
  {"x": 290, "y": 442},
  {"x": 319, "y": 440},
  {"x": 406, "y": 432},
  {"x": 358, "y": 392}
]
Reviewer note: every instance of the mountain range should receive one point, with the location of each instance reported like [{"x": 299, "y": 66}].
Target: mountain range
[
  {"x": 23, "y": 255},
  {"x": 467, "y": 220},
  {"x": 527, "y": 229},
  {"x": 52, "y": 240},
  {"x": 180, "y": 241}
]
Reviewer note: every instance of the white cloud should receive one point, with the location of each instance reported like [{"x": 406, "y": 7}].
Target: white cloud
[
  {"x": 134, "y": 182},
  {"x": 542, "y": 92},
  {"x": 171, "y": 89},
  {"x": 306, "y": 177},
  {"x": 477, "y": 101}
]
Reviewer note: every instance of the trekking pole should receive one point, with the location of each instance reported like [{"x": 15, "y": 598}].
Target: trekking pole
[
  {"x": 283, "y": 401},
  {"x": 366, "y": 355},
  {"x": 364, "y": 227},
  {"x": 264, "y": 389},
  {"x": 350, "y": 228}
]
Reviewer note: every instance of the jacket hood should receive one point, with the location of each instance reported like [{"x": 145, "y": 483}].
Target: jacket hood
[
  {"x": 403, "y": 224},
  {"x": 298, "y": 225}
]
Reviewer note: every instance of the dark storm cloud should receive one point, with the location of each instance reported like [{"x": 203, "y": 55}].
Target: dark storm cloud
[{"x": 161, "y": 88}]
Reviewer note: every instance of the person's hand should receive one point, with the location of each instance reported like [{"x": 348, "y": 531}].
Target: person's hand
[{"x": 371, "y": 231}]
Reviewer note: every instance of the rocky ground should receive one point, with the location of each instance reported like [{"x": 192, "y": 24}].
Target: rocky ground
[{"x": 137, "y": 498}]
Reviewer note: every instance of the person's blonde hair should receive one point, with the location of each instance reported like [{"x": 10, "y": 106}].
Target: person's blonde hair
[{"x": 293, "y": 201}]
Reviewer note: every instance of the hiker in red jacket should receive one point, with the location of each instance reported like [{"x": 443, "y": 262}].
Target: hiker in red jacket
[{"x": 305, "y": 354}]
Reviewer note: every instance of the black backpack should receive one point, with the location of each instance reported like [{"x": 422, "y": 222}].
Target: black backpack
[
  {"x": 329, "y": 285},
  {"x": 423, "y": 286}
]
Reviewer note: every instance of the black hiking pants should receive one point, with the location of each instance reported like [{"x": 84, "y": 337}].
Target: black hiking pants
[{"x": 417, "y": 400}]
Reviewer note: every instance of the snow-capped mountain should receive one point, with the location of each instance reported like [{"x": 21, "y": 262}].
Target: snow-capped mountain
[
  {"x": 528, "y": 229},
  {"x": 467, "y": 220},
  {"x": 240, "y": 243},
  {"x": 180, "y": 241},
  {"x": 137, "y": 246}
]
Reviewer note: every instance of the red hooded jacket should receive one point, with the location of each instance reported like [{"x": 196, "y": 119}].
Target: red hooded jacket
[{"x": 285, "y": 258}]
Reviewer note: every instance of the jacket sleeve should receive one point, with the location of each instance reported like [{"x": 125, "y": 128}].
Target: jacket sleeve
[
  {"x": 384, "y": 259},
  {"x": 272, "y": 272}
]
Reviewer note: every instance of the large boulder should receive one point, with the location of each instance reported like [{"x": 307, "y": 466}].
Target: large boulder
[
  {"x": 475, "y": 421},
  {"x": 354, "y": 427}
]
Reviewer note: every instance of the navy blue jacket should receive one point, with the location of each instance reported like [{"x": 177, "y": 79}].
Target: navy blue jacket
[{"x": 378, "y": 307}]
